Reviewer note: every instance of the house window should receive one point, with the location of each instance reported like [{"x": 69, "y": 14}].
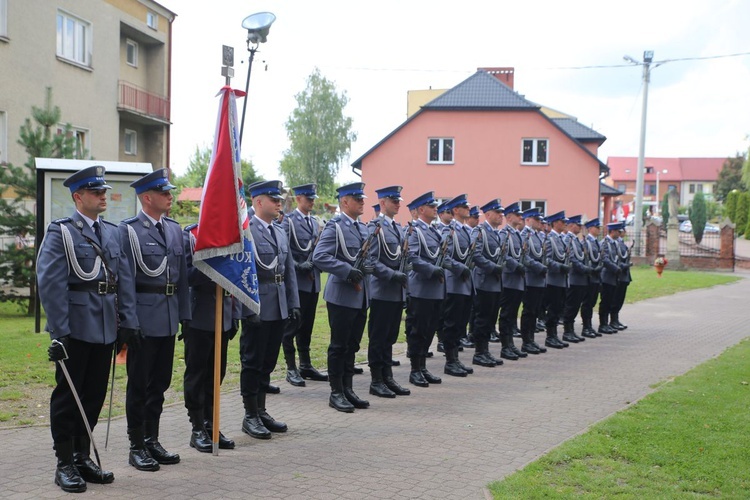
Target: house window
[
  {"x": 699, "y": 188},
  {"x": 540, "y": 204},
  {"x": 3, "y": 18},
  {"x": 73, "y": 39},
  {"x": 131, "y": 142},
  {"x": 3, "y": 136},
  {"x": 534, "y": 152},
  {"x": 81, "y": 136},
  {"x": 649, "y": 189},
  {"x": 440, "y": 150},
  {"x": 691, "y": 189},
  {"x": 622, "y": 188},
  {"x": 649, "y": 170},
  {"x": 152, "y": 20},
  {"x": 131, "y": 53}
]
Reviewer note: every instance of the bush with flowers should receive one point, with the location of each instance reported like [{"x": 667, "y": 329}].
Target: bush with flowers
[{"x": 661, "y": 261}]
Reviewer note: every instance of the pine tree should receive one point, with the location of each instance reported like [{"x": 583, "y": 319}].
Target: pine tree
[
  {"x": 730, "y": 208},
  {"x": 698, "y": 216},
  {"x": 741, "y": 213}
]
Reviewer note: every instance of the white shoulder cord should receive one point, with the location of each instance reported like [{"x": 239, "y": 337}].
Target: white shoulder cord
[
  {"x": 423, "y": 244},
  {"x": 491, "y": 255},
  {"x": 293, "y": 237},
  {"x": 268, "y": 267},
  {"x": 70, "y": 254},
  {"x": 391, "y": 255},
  {"x": 579, "y": 256},
  {"x": 457, "y": 247},
  {"x": 135, "y": 246},
  {"x": 536, "y": 253},
  {"x": 622, "y": 256},
  {"x": 593, "y": 259},
  {"x": 516, "y": 253},
  {"x": 558, "y": 254},
  {"x": 340, "y": 243}
]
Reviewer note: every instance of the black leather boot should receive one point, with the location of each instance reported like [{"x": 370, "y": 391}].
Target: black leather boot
[
  {"x": 224, "y": 442},
  {"x": 377, "y": 385},
  {"x": 481, "y": 355},
  {"x": 553, "y": 340},
  {"x": 507, "y": 352},
  {"x": 452, "y": 367},
  {"x": 252, "y": 425},
  {"x": 307, "y": 370},
  {"x": 391, "y": 383},
  {"x": 615, "y": 323},
  {"x": 465, "y": 368},
  {"x": 416, "y": 376},
  {"x": 351, "y": 396},
  {"x": 67, "y": 476},
  {"x": 139, "y": 457},
  {"x": 515, "y": 349},
  {"x": 269, "y": 422},
  {"x": 199, "y": 437},
  {"x": 155, "y": 449},
  {"x": 89, "y": 471},
  {"x": 429, "y": 377},
  {"x": 568, "y": 335},
  {"x": 337, "y": 400},
  {"x": 292, "y": 374}
]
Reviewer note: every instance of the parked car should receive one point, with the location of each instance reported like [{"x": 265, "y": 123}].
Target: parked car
[
  {"x": 687, "y": 227},
  {"x": 711, "y": 228}
]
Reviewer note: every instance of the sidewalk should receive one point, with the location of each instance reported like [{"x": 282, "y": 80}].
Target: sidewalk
[{"x": 445, "y": 441}]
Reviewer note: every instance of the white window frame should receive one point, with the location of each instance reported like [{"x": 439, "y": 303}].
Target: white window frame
[
  {"x": 534, "y": 150},
  {"x": 152, "y": 20},
  {"x": 526, "y": 204},
  {"x": 3, "y": 135},
  {"x": 81, "y": 39},
  {"x": 131, "y": 43},
  {"x": 441, "y": 150},
  {"x": 3, "y": 19},
  {"x": 134, "y": 139},
  {"x": 83, "y": 139}
]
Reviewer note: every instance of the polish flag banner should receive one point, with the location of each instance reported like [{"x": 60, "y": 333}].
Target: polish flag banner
[{"x": 223, "y": 243}]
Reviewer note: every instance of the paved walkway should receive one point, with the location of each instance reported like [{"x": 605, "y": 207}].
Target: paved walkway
[{"x": 446, "y": 441}]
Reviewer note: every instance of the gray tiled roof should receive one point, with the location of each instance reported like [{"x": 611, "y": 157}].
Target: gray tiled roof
[
  {"x": 578, "y": 131},
  {"x": 608, "y": 190},
  {"x": 480, "y": 91}
]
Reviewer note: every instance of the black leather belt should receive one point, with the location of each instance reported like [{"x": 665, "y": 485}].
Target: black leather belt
[
  {"x": 168, "y": 289},
  {"x": 276, "y": 280},
  {"x": 100, "y": 287}
]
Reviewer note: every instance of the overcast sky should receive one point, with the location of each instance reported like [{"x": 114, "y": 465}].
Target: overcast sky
[{"x": 377, "y": 51}]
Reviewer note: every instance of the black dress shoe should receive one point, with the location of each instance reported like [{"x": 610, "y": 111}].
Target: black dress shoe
[
  {"x": 454, "y": 370},
  {"x": 553, "y": 342},
  {"x": 396, "y": 387},
  {"x": 430, "y": 354},
  {"x": 294, "y": 378},
  {"x": 517, "y": 333},
  {"x": 429, "y": 377},
  {"x": 529, "y": 348},
  {"x": 518, "y": 352},
  {"x": 90, "y": 472},
  {"x": 141, "y": 459},
  {"x": 589, "y": 334},
  {"x": 464, "y": 342},
  {"x": 69, "y": 479},
  {"x": 494, "y": 337},
  {"x": 492, "y": 358},
  {"x": 541, "y": 349},
  {"x": 465, "y": 368},
  {"x": 310, "y": 373},
  {"x": 395, "y": 362},
  {"x": 618, "y": 326},
  {"x": 338, "y": 402},
  {"x": 272, "y": 389},
  {"x": 270, "y": 423},
  {"x": 381, "y": 390},
  {"x": 440, "y": 347},
  {"x": 507, "y": 353},
  {"x": 158, "y": 453},
  {"x": 355, "y": 400},
  {"x": 417, "y": 378},
  {"x": 482, "y": 360},
  {"x": 358, "y": 370},
  {"x": 224, "y": 442},
  {"x": 253, "y": 426},
  {"x": 201, "y": 441},
  {"x": 570, "y": 338},
  {"x": 606, "y": 329}
]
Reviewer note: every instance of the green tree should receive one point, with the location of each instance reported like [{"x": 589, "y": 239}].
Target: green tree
[
  {"x": 746, "y": 172},
  {"x": 741, "y": 213},
  {"x": 319, "y": 133},
  {"x": 698, "y": 216},
  {"x": 665, "y": 210},
  {"x": 730, "y": 206},
  {"x": 730, "y": 177},
  {"x": 18, "y": 188}
]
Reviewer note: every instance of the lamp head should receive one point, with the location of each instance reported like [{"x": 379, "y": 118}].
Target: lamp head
[{"x": 258, "y": 25}]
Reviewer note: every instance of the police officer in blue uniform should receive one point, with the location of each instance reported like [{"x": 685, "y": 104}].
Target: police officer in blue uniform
[
  {"x": 443, "y": 223},
  {"x": 153, "y": 245},
  {"x": 387, "y": 294},
  {"x": 347, "y": 293},
  {"x": 260, "y": 341},
  {"x": 594, "y": 253},
  {"x": 578, "y": 280},
  {"x": 557, "y": 278},
  {"x": 487, "y": 278},
  {"x": 426, "y": 288},
  {"x": 609, "y": 276},
  {"x": 303, "y": 230},
  {"x": 458, "y": 284},
  {"x": 472, "y": 222},
  {"x": 623, "y": 281},
  {"x": 86, "y": 289},
  {"x": 513, "y": 280},
  {"x": 198, "y": 336},
  {"x": 536, "y": 276}
]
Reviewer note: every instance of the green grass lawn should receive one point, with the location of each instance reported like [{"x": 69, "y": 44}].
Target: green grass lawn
[
  {"x": 26, "y": 377},
  {"x": 689, "y": 439}
]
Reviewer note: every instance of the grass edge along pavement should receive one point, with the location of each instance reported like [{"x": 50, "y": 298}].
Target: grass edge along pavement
[
  {"x": 27, "y": 378},
  {"x": 687, "y": 439}
]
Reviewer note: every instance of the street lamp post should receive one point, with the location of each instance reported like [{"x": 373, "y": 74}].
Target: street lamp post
[
  {"x": 257, "y": 25},
  {"x": 658, "y": 199}
]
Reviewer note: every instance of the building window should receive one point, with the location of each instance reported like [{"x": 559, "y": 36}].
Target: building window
[
  {"x": 131, "y": 142},
  {"x": 3, "y": 18},
  {"x": 534, "y": 152},
  {"x": 73, "y": 39},
  {"x": 3, "y": 135},
  {"x": 673, "y": 187},
  {"x": 440, "y": 150},
  {"x": 649, "y": 189},
  {"x": 540, "y": 204},
  {"x": 131, "y": 52},
  {"x": 152, "y": 20},
  {"x": 622, "y": 188},
  {"x": 649, "y": 170},
  {"x": 691, "y": 189},
  {"x": 81, "y": 136},
  {"x": 699, "y": 188}
]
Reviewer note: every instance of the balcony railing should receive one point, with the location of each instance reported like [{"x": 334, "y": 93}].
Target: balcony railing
[{"x": 134, "y": 98}]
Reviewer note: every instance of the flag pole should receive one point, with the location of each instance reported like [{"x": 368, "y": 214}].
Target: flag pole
[{"x": 217, "y": 367}]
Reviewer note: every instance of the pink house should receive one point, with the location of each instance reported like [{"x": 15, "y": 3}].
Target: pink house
[{"x": 484, "y": 139}]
